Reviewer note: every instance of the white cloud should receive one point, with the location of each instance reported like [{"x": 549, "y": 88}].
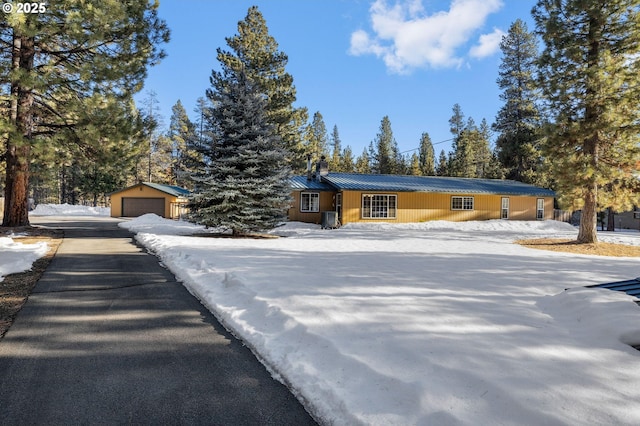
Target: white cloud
[
  {"x": 488, "y": 44},
  {"x": 405, "y": 37}
]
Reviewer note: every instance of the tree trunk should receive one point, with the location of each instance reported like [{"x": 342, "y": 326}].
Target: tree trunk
[
  {"x": 588, "y": 220},
  {"x": 611, "y": 220},
  {"x": 588, "y": 233},
  {"x": 16, "y": 212}
]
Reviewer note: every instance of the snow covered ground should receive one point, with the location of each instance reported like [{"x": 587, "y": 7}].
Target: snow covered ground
[
  {"x": 436, "y": 323},
  {"x": 17, "y": 257},
  {"x": 69, "y": 210}
]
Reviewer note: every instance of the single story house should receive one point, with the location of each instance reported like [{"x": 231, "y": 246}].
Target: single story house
[
  {"x": 402, "y": 199},
  {"x": 167, "y": 201}
]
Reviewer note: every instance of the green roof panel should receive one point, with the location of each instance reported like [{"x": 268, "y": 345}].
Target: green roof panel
[{"x": 402, "y": 183}]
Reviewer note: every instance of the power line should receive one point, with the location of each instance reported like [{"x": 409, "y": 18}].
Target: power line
[{"x": 437, "y": 143}]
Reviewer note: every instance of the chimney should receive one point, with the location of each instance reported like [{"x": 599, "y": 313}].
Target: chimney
[
  {"x": 322, "y": 168},
  {"x": 308, "y": 166}
]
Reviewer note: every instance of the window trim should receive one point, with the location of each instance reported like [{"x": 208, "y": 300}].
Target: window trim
[
  {"x": 539, "y": 211},
  {"x": 504, "y": 208},
  {"x": 464, "y": 205},
  {"x": 387, "y": 208},
  {"x": 311, "y": 206}
]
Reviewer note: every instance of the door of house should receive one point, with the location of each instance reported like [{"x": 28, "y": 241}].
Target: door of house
[{"x": 339, "y": 205}]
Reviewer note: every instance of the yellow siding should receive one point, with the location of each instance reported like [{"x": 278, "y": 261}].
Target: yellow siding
[
  {"x": 142, "y": 191},
  {"x": 423, "y": 206},
  {"x": 327, "y": 203}
]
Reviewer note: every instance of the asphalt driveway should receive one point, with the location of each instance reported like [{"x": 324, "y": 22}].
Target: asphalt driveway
[{"x": 109, "y": 337}]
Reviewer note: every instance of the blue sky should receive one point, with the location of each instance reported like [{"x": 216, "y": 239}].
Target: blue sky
[{"x": 355, "y": 61}]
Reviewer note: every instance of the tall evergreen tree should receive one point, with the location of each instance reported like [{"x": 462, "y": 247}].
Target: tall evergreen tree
[
  {"x": 483, "y": 153},
  {"x": 182, "y": 135},
  {"x": 255, "y": 52},
  {"x": 53, "y": 62},
  {"x": 363, "y": 162},
  {"x": 456, "y": 122},
  {"x": 427, "y": 156},
  {"x": 202, "y": 108},
  {"x": 347, "y": 164},
  {"x": 442, "y": 168},
  {"x": 471, "y": 154},
  {"x": 245, "y": 187},
  {"x": 518, "y": 121},
  {"x": 589, "y": 77},
  {"x": 385, "y": 156},
  {"x": 335, "y": 161},
  {"x": 414, "y": 165},
  {"x": 316, "y": 138}
]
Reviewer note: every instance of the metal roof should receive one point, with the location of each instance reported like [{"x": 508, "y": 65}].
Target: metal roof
[
  {"x": 402, "y": 183},
  {"x": 631, "y": 287},
  {"x": 301, "y": 183},
  {"x": 176, "y": 191},
  {"x": 169, "y": 189}
]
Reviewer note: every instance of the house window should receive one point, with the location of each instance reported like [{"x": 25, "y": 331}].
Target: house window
[
  {"x": 461, "y": 203},
  {"x": 540, "y": 208},
  {"x": 379, "y": 206},
  {"x": 309, "y": 202},
  {"x": 504, "y": 211}
]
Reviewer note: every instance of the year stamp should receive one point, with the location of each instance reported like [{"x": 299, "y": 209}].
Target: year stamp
[{"x": 29, "y": 7}]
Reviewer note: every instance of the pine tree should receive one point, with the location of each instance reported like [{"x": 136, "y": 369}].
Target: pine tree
[
  {"x": 347, "y": 164},
  {"x": 384, "y": 153},
  {"x": 84, "y": 163},
  {"x": 336, "y": 160},
  {"x": 483, "y": 154},
  {"x": 52, "y": 62},
  {"x": 245, "y": 187},
  {"x": 462, "y": 159},
  {"x": 463, "y": 162},
  {"x": 182, "y": 134},
  {"x": 414, "y": 165},
  {"x": 255, "y": 52},
  {"x": 442, "y": 169},
  {"x": 363, "y": 162},
  {"x": 456, "y": 122},
  {"x": 518, "y": 121},
  {"x": 316, "y": 138},
  {"x": 589, "y": 77},
  {"x": 427, "y": 156}
]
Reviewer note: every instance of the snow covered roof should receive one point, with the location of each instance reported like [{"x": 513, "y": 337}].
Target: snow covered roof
[{"x": 403, "y": 183}]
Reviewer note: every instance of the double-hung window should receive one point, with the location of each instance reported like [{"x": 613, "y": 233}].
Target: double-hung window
[
  {"x": 540, "y": 208},
  {"x": 309, "y": 202},
  {"x": 461, "y": 203},
  {"x": 379, "y": 206},
  {"x": 504, "y": 211}
]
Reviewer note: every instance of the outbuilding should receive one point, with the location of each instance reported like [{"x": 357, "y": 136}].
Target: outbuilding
[{"x": 167, "y": 201}]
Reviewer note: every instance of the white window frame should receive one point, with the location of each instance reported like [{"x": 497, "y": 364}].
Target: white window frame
[
  {"x": 465, "y": 203},
  {"x": 312, "y": 207},
  {"x": 504, "y": 208},
  {"x": 540, "y": 209},
  {"x": 379, "y": 206}
]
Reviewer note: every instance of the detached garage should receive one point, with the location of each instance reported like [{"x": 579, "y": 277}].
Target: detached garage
[{"x": 164, "y": 200}]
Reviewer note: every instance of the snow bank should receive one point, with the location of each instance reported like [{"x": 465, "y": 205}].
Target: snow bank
[
  {"x": 547, "y": 226},
  {"x": 151, "y": 222},
  {"x": 422, "y": 324},
  {"x": 18, "y": 257},
  {"x": 69, "y": 210}
]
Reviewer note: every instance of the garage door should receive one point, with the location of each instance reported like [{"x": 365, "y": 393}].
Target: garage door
[{"x": 134, "y": 207}]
